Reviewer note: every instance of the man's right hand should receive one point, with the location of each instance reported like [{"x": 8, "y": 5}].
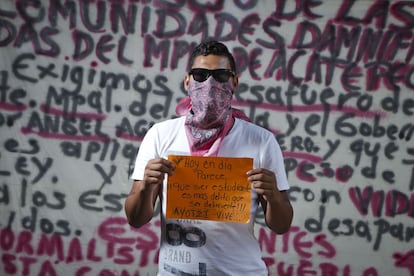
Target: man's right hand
[{"x": 155, "y": 171}]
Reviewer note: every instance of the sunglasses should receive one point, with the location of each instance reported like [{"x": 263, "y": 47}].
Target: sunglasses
[{"x": 220, "y": 75}]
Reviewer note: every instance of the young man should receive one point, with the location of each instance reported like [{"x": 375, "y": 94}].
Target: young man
[{"x": 210, "y": 127}]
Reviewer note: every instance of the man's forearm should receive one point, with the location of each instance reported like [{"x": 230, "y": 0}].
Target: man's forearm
[
  {"x": 139, "y": 205},
  {"x": 279, "y": 213}
]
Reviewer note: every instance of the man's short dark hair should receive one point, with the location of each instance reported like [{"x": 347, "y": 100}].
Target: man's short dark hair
[{"x": 213, "y": 47}]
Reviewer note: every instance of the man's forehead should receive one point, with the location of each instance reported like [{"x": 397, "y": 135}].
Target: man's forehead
[{"x": 208, "y": 61}]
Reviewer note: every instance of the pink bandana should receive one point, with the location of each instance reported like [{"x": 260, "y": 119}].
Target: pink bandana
[{"x": 209, "y": 115}]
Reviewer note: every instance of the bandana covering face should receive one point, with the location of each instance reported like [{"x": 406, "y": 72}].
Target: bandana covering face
[{"x": 210, "y": 118}]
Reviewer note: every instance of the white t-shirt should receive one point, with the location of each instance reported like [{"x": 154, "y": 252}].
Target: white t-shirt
[{"x": 201, "y": 247}]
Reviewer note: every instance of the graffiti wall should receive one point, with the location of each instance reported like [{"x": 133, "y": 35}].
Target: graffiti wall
[{"x": 81, "y": 81}]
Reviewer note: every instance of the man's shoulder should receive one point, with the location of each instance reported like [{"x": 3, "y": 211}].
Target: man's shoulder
[
  {"x": 252, "y": 127},
  {"x": 168, "y": 127},
  {"x": 170, "y": 122}
]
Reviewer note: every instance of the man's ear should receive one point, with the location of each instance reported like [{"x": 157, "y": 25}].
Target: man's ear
[
  {"x": 235, "y": 82},
  {"x": 186, "y": 81}
]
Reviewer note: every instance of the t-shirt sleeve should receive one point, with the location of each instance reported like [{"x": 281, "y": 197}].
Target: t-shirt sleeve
[
  {"x": 146, "y": 152},
  {"x": 273, "y": 158}
]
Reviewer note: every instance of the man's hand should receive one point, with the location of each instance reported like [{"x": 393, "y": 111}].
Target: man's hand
[
  {"x": 155, "y": 171},
  {"x": 264, "y": 182}
]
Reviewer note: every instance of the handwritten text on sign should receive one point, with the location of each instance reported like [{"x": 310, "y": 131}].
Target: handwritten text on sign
[{"x": 209, "y": 188}]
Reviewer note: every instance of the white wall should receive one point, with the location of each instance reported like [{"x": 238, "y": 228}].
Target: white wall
[{"x": 334, "y": 80}]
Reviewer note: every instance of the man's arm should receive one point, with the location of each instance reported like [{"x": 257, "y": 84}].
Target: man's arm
[
  {"x": 278, "y": 212},
  {"x": 139, "y": 205},
  {"x": 276, "y": 205}
]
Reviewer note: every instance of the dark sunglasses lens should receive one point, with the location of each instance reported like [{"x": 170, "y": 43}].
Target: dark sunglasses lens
[
  {"x": 200, "y": 75},
  {"x": 222, "y": 75}
]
